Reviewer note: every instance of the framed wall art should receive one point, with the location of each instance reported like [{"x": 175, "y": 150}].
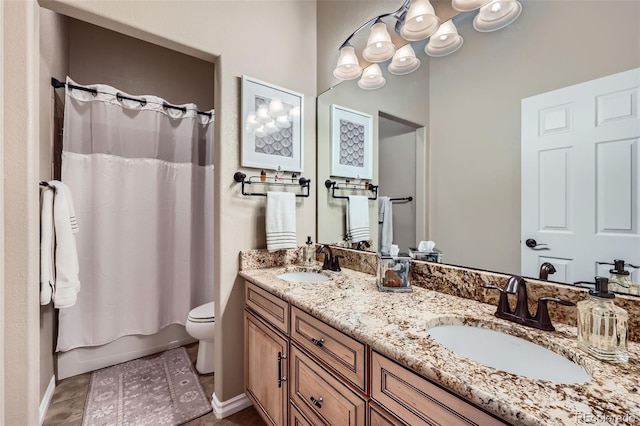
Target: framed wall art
[
  {"x": 272, "y": 126},
  {"x": 351, "y": 143}
]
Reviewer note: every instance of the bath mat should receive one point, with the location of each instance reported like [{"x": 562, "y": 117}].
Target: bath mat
[{"x": 156, "y": 390}]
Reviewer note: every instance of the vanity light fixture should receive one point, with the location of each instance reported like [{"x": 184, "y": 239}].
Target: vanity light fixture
[
  {"x": 372, "y": 78},
  {"x": 468, "y": 5},
  {"x": 496, "y": 15},
  {"x": 420, "y": 21},
  {"x": 416, "y": 20},
  {"x": 445, "y": 41},
  {"x": 404, "y": 61},
  {"x": 348, "y": 66},
  {"x": 379, "y": 46}
]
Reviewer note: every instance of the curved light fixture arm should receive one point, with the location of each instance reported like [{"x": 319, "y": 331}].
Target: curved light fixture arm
[{"x": 398, "y": 14}]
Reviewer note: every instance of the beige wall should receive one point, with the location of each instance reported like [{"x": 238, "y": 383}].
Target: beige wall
[
  {"x": 397, "y": 170},
  {"x": 287, "y": 58},
  {"x": 98, "y": 55},
  {"x": 19, "y": 312},
  {"x": 54, "y": 62},
  {"x": 475, "y": 115}
]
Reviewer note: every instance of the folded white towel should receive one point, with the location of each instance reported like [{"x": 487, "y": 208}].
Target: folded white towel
[
  {"x": 67, "y": 283},
  {"x": 281, "y": 220},
  {"x": 358, "y": 218},
  {"x": 385, "y": 221},
  {"x": 47, "y": 268}
]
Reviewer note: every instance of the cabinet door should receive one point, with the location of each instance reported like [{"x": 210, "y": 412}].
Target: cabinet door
[{"x": 266, "y": 370}]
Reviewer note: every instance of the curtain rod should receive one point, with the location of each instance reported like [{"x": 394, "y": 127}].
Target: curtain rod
[{"x": 57, "y": 84}]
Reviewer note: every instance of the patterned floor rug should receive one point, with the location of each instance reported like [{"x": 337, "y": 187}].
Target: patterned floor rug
[{"x": 157, "y": 390}]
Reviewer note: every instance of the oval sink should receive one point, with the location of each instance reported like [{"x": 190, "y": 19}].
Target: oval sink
[
  {"x": 304, "y": 277},
  {"x": 508, "y": 353}
]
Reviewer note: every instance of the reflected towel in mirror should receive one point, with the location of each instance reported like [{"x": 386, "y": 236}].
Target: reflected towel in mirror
[
  {"x": 358, "y": 218},
  {"x": 385, "y": 224}
]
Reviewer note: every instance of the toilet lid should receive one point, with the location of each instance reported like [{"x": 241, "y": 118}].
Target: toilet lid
[{"x": 203, "y": 312}]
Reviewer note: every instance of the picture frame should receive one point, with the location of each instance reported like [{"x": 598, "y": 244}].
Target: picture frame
[
  {"x": 265, "y": 105},
  {"x": 351, "y": 143}
]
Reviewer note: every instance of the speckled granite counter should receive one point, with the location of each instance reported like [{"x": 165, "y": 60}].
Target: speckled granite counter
[{"x": 396, "y": 325}]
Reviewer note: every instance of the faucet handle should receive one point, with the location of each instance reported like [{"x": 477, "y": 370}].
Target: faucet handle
[
  {"x": 542, "y": 314},
  {"x": 335, "y": 264},
  {"x": 491, "y": 287}
]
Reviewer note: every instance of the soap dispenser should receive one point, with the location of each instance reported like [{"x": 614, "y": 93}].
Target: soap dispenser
[
  {"x": 309, "y": 252},
  {"x": 620, "y": 280},
  {"x": 602, "y": 325}
]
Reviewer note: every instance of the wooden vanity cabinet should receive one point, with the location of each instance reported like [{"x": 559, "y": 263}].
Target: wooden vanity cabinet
[{"x": 300, "y": 371}]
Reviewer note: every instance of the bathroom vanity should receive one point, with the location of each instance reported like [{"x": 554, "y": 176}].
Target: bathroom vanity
[{"x": 340, "y": 352}]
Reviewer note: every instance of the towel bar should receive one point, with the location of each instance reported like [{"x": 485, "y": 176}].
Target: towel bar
[
  {"x": 333, "y": 186},
  {"x": 302, "y": 183}
]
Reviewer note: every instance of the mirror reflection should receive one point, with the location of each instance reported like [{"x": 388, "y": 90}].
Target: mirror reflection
[{"x": 449, "y": 135}]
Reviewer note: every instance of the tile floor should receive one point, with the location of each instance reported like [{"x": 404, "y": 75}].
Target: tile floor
[{"x": 67, "y": 404}]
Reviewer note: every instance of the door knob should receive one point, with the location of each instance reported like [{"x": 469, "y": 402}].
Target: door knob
[{"x": 531, "y": 243}]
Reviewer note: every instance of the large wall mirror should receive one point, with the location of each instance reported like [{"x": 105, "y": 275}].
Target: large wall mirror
[{"x": 449, "y": 134}]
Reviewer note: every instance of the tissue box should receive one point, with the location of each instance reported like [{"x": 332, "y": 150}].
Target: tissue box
[
  {"x": 427, "y": 256},
  {"x": 393, "y": 273}
]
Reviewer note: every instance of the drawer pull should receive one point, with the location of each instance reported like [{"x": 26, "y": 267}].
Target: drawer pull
[
  {"x": 317, "y": 402},
  {"x": 281, "y": 378},
  {"x": 317, "y": 342}
]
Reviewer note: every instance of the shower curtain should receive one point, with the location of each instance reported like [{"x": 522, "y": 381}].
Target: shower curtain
[{"x": 141, "y": 176}]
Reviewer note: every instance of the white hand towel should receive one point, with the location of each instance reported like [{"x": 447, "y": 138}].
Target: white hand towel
[
  {"x": 66, "y": 254},
  {"x": 47, "y": 277},
  {"x": 281, "y": 220},
  {"x": 358, "y": 218},
  {"x": 385, "y": 224}
]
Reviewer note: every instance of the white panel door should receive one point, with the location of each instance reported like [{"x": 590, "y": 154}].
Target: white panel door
[{"x": 580, "y": 181}]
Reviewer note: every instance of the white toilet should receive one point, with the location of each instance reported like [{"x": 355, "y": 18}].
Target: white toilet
[{"x": 200, "y": 325}]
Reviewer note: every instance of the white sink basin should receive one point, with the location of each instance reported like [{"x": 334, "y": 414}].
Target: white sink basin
[
  {"x": 508, "y": 353},
  {"x": 304, "y": 277}
]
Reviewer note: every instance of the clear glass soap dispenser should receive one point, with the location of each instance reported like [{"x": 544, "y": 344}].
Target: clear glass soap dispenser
[
  {"x": 620, "y": 279},
  {"x": 602, "y": 325},
  {"x": 309, "y": 252}
]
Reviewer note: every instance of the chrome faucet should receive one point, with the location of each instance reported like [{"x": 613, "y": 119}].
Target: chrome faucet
[
  {"x": 521, "y": 315},
  {"x": 331, "y": 262}
]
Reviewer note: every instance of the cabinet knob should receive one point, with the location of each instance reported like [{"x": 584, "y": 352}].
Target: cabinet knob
[
  {"x": 318, "y": 343},
  {"x": 316, "y": 402}
]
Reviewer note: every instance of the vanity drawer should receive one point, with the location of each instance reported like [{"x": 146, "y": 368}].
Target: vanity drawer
[
  {"x": 320, "y": 396},
  {"x": 418, "y": 401},
  {"x": 380, "y": 417},
  {"x": 339, "y": 351},
  {"x": 270, "y": 307}
]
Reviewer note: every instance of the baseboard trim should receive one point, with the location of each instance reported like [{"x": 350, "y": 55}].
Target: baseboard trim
[
  {"x": 230, "y": 406},
  {"x": 46, "y": 399}
]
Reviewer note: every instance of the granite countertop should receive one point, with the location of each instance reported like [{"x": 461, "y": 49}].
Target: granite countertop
[{"x": 396, "y": 325}]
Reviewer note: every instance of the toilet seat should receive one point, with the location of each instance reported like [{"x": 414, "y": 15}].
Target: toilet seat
[{"x": 202, "y": 313}]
